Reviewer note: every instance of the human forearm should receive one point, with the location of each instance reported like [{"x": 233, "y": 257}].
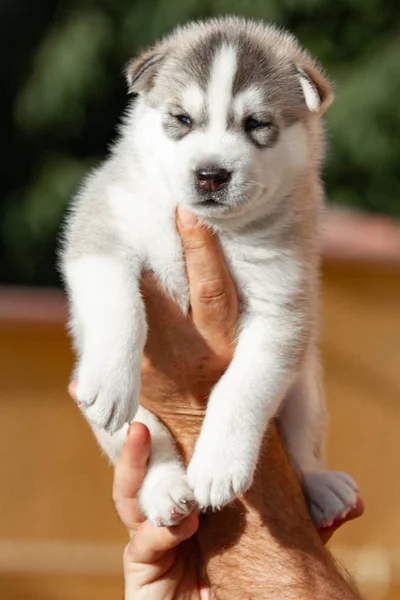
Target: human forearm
[{"x": 265, "y": 544}]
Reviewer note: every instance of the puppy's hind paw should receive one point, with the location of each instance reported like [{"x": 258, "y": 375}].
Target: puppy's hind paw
[
  {"x": 330, "y": 495},
  {"x": 165, "y": 497}
]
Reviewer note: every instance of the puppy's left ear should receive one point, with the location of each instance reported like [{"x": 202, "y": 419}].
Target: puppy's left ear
[
  {"x": 140, "y": 71},
  {"x": 318, "y": 92}
]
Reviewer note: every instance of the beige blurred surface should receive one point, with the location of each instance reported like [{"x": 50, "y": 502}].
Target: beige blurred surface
[{"x": 59, "y": 536}]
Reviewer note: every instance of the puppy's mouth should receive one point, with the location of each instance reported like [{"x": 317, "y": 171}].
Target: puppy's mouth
[
  {"x": 211, "y": 198},
  {"x": 210, "y": 203}
]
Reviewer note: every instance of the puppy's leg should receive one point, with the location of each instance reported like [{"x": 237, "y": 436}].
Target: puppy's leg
[
  {"x": 330, "y": 494},
  {"x": 111, "y": 443},
  {"x": 109, "y": 312},
  {"x": 165, "y": 496},
  {"x": 239, "y": 409}
]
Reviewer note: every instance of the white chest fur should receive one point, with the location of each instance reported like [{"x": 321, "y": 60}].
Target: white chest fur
[{"x": 266, "y": 274}]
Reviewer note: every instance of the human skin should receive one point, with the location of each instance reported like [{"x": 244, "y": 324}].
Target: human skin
[{"x": 264, "y": 544}]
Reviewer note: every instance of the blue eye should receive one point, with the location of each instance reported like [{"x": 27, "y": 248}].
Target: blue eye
[
  {"x": 184, "y": 119},
  {"x": 251, "y": 124}
]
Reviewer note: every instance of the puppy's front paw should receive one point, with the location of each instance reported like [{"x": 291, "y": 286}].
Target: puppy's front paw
[
  {"x": 330, "y": 495},
  {"x": 217, "y": 477},
  {"x": 165, "y": 496},
  {"x": 108, "y": 398}
]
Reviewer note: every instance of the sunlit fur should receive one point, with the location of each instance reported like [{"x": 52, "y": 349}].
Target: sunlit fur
[{"x": 218, "y": 73}]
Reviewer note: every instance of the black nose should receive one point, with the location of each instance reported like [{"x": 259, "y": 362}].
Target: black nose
[{"x": 212, "y": 179}]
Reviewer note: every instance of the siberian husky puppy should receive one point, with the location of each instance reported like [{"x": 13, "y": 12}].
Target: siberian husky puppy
[{"x": 225, "y": 120}]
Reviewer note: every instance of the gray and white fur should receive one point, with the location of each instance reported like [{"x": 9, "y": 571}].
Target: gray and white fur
[{"x": 225, "y": 121}]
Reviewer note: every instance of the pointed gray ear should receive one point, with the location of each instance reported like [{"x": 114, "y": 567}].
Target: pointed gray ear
[
  {"x": 318, "y": 92},
  {"x": 141, "y": 71}
]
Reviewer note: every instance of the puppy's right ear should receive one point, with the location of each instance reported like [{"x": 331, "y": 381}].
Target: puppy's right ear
[
  {"x": 318, "y": 92},
  {"x": 140, "y": 72}
]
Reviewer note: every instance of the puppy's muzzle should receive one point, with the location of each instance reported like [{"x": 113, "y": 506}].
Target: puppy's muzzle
[{"x": 212, "y": 179}]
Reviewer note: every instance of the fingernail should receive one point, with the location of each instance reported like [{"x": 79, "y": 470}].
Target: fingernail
[{"x": 187, "y": 219}]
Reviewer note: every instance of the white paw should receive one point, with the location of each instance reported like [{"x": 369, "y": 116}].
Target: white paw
[
  {"x": 217, "y": 478},
  {"x": 330, "y": 495},
  {"x": 165, "y": 496},
  {"x": 109, "y": 398}
]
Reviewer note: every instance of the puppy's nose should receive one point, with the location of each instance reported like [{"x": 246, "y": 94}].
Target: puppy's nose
[{"x": 212, "y": 179}]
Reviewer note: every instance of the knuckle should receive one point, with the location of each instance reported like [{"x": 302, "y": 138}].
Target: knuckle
[
  {"x": 194, "y": 243},
  {"x": 210, "y": 291}
]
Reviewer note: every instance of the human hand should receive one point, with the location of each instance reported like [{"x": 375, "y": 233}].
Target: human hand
[{"x": 186, "y": 355}]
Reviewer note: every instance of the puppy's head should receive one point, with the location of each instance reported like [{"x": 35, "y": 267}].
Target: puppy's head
[{"x": 228, "y": 111}]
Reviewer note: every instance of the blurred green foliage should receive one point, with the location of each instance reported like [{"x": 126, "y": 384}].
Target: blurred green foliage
[{"x": 63, "y": 91}]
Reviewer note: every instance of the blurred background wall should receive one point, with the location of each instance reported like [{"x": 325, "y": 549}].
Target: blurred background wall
[{"x": 62, "y": 93}]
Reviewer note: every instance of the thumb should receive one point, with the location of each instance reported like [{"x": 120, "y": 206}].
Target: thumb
[{"x": 213, "y": 296}]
